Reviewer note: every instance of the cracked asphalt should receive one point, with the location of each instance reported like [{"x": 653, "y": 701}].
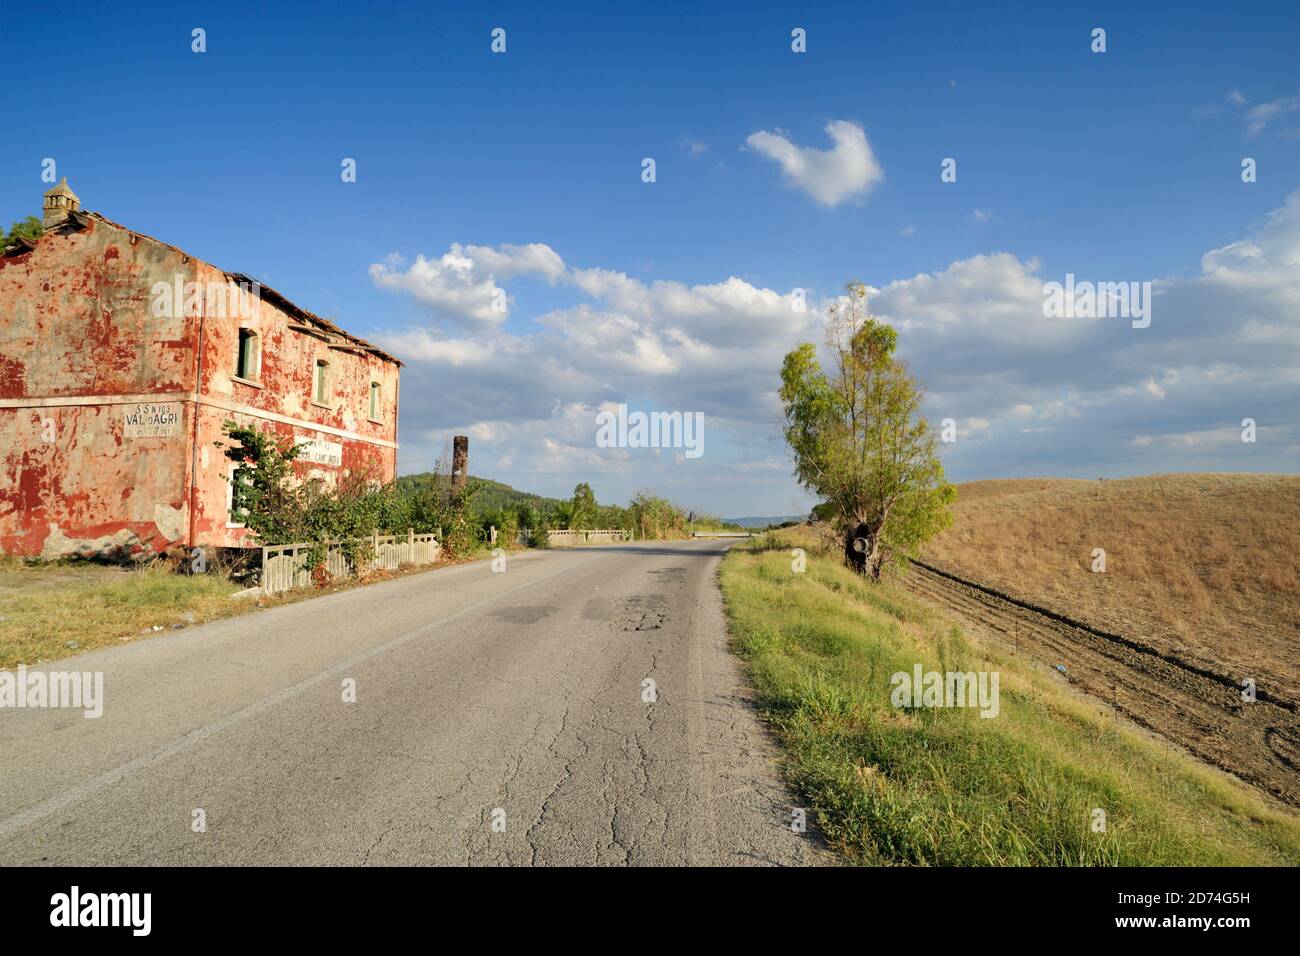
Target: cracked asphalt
[{"x": 499, "y": 719}]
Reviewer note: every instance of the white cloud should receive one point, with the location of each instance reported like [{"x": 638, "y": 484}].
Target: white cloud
[
  {"x": 531, "y": 394},
  {"x": 1260, "y": 115},
  {"x": 982, "y": 215},
  {"x": 464, "y": 285},
  {"x": 1035, "y": 396},
  {"x": 830, "y": 176},
  {"x": 510, "y": 260},
  {"x": 1221, "y": 346},
  {"x": 993, "y": 292},
  {"x": 1257, "y": 117}
]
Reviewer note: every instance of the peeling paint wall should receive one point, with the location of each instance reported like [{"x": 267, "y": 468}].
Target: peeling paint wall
[
  {"x": 74, "y": 321},
  {"x": 101, "y": 450},
  {"x": 284, "y": 390}
]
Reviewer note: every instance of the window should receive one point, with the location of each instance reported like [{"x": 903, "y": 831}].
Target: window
[
  {"x": 374, "y": 400},
  {"x": 321, "y": 383},
  {"x": 234, "y": 519},
  {"x": 248, "y": 361}
]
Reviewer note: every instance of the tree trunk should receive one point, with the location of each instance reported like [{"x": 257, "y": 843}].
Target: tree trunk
[{"x": 862, "y": 551}]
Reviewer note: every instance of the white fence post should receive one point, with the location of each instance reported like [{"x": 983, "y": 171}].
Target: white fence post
[{"x": 282, "y": 564}]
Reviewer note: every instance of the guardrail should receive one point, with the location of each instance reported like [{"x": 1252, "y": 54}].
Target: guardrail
[
  {"x": 722, "y": 534},
  {"x": 564, "y": 539},
  {"x": 283, "y": 567}
]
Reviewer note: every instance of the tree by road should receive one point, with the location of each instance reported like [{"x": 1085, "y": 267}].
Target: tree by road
[
  {"x": 584, "y": 506},
  {"x": 859, "y": 440}
]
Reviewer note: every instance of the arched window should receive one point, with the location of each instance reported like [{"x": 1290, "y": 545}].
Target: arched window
[{"x": 374, "y": 400}]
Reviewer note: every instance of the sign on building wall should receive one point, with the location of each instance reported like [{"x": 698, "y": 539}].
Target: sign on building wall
[
  {"x": 151, "y": 420},
  {"x": 321, "y": 452}
]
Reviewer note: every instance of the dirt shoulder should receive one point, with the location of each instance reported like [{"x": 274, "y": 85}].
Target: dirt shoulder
[{"x": 52, "y": 611}]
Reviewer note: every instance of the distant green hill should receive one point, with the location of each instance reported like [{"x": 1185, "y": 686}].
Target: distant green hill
[
  {"x": 494, "y": 494},
  {"x": 497, "y": 495}
]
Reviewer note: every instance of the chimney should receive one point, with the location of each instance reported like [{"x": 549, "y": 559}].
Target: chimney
[
  {"x": 60, "y": 201},
  {"x": 459, "y": 461}
]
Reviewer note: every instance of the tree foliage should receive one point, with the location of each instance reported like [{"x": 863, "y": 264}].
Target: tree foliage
[
  {"x": 263, "y": 498},
  {"x": 561, "y": 515},
  {"x": 651, "y": 517},
  {"x": 859, "y": 440},
  {"x": 279, "y": 506},
  {"x": 584, "y": 506},
  {"x": 29, "y": 228}
]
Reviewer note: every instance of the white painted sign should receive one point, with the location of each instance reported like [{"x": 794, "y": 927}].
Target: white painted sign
[
  {"x": 321, "y": 452},
  {"x": 151, "y": 420}
]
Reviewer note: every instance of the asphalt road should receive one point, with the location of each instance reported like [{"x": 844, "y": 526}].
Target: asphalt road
[{"x": 498, "y": 719}]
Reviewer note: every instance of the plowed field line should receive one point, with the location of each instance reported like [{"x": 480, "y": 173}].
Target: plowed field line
[{"x": 1190, "y": 703}]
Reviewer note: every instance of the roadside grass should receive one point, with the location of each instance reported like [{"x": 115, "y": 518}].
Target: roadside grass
[
  {"x": 943, "y": 786},
  {"x": 50, "y": 611},
  {"x": 707, "y": 524},
  {"x": 44, "y": 607}
]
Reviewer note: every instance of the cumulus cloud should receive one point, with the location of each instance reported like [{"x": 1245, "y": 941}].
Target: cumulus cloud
[
  {"x": 830, "y": 176},
  {"x": 1031, "y": 395},
  {"x": 532, "y": 393},
  {"x": 464, "y": 284},
  {"x": 1222, "y": 345}
]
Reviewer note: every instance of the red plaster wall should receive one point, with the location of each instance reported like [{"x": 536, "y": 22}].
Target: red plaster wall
[{"x": 77, "y": 318}]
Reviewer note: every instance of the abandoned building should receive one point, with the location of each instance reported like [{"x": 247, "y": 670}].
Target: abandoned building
[{"x": 120, "y": 359}]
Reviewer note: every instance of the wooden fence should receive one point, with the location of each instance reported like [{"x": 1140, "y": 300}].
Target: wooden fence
[
  {"x": 283, "y": 567},
  {"x": 562, "y": 539}
]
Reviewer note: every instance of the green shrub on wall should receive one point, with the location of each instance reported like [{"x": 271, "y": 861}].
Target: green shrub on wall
[{"x": 279, "y": 508}]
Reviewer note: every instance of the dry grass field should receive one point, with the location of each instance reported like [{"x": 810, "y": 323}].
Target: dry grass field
[
  {"x": 940, "y": 786},
  {"x": 1203, "y": 566}
]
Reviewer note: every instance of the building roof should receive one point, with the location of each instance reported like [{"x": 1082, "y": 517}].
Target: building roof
[
  {"x": 63, "y": 189},
  {"x": 323, "y": 327}
]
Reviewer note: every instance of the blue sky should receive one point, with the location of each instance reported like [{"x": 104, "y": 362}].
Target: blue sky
[{"x": 1123, "y": 165}]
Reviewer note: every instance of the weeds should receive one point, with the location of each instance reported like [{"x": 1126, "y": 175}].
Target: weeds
[{"x": 943, "y": 786}]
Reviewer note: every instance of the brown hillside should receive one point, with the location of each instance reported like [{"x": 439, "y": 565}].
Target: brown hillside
[{"x": 1203, "y": 565}]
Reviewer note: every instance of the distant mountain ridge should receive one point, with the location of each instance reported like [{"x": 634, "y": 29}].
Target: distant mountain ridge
[{"x": 760, "y": 522}]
